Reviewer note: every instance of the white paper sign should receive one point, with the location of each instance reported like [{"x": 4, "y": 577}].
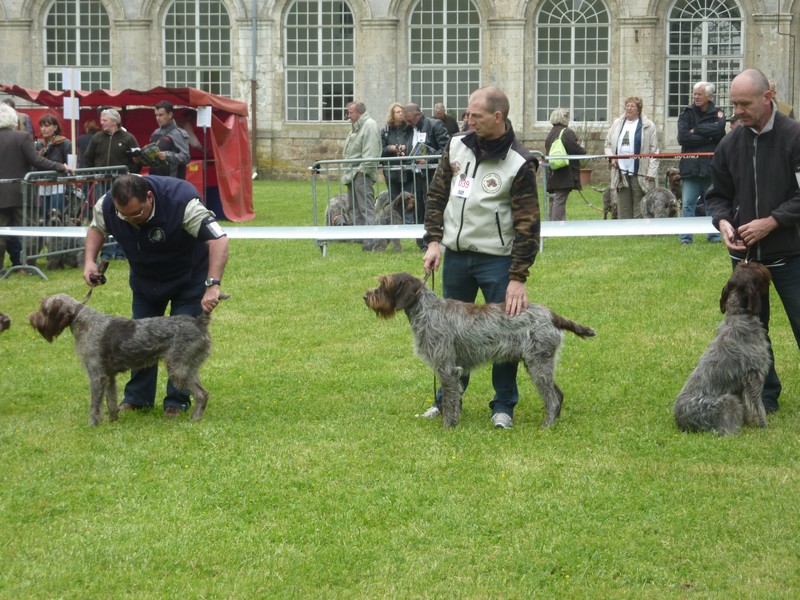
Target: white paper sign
[
  {"x": 70, "y": 79},
  {"x": 71, "y": 108},
  {"x": 204, "y": 116}
]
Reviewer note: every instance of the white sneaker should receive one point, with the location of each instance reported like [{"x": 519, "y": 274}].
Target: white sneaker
[
  {"x": 502, "y": 421},
  {"x": 431, "y": 413}
]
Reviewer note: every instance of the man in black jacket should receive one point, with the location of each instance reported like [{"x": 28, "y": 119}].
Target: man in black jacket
[
  {"x": 754, "y": 199},
  {"x": 701, "y": 126}
]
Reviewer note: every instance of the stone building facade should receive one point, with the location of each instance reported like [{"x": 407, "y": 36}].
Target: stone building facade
[{"x": 298, "y": 62}]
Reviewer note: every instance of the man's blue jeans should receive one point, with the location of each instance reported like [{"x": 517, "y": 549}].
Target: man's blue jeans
[
  {"x": 786, "y": 279},
  {"x": 463, "y": 275},
  {"x": 691, "y": 190},
  {"x": 141, "y": 389}
]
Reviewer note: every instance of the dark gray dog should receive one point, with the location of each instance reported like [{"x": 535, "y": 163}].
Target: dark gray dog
[
  {"x": 5, "y": 322},
  {"x": 109, "y": 345},
  {"x": 453, "y": 337},
  {"x": 724, "y": 390},
  {"x": 659, "y": 203},
  {"x": 391, "y": 213}
]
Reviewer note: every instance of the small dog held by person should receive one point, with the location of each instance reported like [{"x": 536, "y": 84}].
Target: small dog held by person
[
  {"x": 110, "y": 345},
  {"x": 724, "y": 390},
  {"x": 453, "y": 337}
]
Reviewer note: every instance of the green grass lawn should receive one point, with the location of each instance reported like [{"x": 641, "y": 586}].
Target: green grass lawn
[{"x": 310, "y": 477}]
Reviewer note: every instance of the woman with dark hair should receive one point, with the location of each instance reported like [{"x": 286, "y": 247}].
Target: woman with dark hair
[
  {"x": 560, "y": 182},
  {"x": 57, "y": 148}
]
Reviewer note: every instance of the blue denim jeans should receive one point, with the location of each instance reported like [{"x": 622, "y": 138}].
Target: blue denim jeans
[
  {"x": 786, "y": 279},
  {"x": 463, "y": 275},
  {"x": 141, "y": 389},
  {"x": 692, "y": 188}
]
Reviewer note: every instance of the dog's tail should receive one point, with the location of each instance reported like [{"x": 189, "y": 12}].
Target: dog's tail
[{"x": 576, "y": 328}]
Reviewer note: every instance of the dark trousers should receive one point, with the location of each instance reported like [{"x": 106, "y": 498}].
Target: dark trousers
[
  {"x": 141, "y": 389},
  {"x": 463, "y": 275}
]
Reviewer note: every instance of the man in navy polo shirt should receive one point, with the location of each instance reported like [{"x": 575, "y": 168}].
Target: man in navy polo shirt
[{"x": 177, "y": 254}]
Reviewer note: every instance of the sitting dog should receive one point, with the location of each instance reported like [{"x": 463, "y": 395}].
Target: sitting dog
[
  {"x": 339, "y": 211},
  {"x": 453, "y": 337},
  {"x": 5, "y": 322},
  {"x": 724, "y": 390},
  {"x": 63, "y": 252},
  {"x": 674, "y": 183},
  {"x": 659, "y": 203},
  {"x": 396, "y": 212},
  {"x": 109, "y": 345}
]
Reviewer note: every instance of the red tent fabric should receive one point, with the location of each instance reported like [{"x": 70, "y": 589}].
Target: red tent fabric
[{"x": 229, "y": 162}]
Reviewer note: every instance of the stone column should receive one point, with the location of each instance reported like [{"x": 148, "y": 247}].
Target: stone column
[
  {"x": 135, "y": 58},
  {"x": 504, "y": 51},
  {"x": 376, "y": 65}
]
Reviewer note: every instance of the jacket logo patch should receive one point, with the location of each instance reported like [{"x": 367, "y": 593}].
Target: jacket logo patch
[
  {"x": 156, "y": 235},
  {"x": 491, "y": 183}
]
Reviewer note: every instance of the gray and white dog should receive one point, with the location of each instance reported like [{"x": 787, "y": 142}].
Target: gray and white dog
[
  {"x": 659, "y": 203},
  {"x": 724, "y": 390},
  {"x": 453, "y": 337},
  {"x": 109, "y": 345}
]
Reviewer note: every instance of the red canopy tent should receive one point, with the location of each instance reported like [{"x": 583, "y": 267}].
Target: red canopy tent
[{"x": 228, "y": 162}]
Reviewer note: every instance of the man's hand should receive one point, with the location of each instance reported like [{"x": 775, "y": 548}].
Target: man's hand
[
  {"x": 432, "y": 258},
  {"x": 210, "y": 299},
  {"x": 516, "y": 298},
  {"x": 756, "y": 230},
  {"x": 731, "y": 239}
]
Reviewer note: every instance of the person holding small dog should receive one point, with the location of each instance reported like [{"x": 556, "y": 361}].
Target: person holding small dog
[
  {"x": 560, "y": 182},
  {"x": 754, "y": 200},
  {"x": 701, "y": 127},
  {"x": 177, "y": 254},
  {"x": 482, "y": 207}
]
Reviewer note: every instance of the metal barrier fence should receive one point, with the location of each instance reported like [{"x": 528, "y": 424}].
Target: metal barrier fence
[
  {"x": 52, "y": 200},
  {"x": 350, "y": 197}
]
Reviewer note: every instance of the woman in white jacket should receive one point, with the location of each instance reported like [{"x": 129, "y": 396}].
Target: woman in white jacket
[{"x": 631, "y": 178}]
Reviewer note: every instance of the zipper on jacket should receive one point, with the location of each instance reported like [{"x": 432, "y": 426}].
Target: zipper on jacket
[
  {"x": 755, "y": 191},
  {"x": 499, "y": 230},
  {"x": 461, "y": 225}
]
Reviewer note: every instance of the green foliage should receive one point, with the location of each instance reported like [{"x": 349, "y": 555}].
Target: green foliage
[{"x": 310, "y": 477}]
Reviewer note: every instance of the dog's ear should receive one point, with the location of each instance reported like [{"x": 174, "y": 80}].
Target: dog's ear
[
  {"x": 406, "y": 290},
  {"x": 723, "y": 299}
]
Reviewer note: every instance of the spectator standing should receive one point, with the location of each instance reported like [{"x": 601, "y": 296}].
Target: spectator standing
[
  {"x": 754, "y": 200},
  {"x": 783, "y": 108},
  {"x": 448, "y": 120},
  {"x": 24, "y": 122},
  {"x": 172, "y": 141},
  {"x": 398, "y": 175},
  {"x": 631, "y": 178},
  {"x": 19, "y": 157},
  {"x": 363, "y": 141},
  {"x": 701, "y": 127},
  {"x": 177, "y": 254},
  {"x": 560, "y": 182},
  {"x": 112, "y": 145},
  {"x": 89, "y": 129},
  {"x": 57, "y": 148},
  {"x": 490, "y": 226},
  {"x": 430, "y": 137}
]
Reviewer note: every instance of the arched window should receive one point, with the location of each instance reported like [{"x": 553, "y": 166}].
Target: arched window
[
  {"x": 572, "y": 59},
  {"x": 319, "y": 59},
  {"x": 197, "y": 46},
  {"x": 78, "y": 35},
  {"x": 444, "y": 54},
  {"x": 704, "y": 44}
]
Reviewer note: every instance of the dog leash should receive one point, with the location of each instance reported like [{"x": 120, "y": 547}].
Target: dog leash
[{"x": 99, "y": 279}]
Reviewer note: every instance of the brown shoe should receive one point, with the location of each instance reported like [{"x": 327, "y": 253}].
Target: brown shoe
[
  {"x": 128, "y": 406},
  {"x": 172, "y": 411}
]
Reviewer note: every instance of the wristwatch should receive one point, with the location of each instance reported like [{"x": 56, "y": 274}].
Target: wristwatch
[{"x": 210, "y": 281}]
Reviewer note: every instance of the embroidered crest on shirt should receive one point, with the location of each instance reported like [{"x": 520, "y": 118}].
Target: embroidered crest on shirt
[
  {"x": 491, "y": 183},
  {"x": 156, "y": 235}
]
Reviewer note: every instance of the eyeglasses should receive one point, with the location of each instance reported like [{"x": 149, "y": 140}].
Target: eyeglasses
[{"x": 138, "y": 215}]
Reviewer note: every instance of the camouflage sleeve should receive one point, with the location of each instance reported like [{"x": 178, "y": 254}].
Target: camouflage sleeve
[
  {"x": 527, "y": 223},
  {"x": 436, "y": 200}
]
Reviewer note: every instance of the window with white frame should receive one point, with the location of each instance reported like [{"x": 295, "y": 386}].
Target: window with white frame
[
  {"x": 704, "y": 43},
  {"x": 319, "y": 58},
  {"x": 77, "y": 35},
  {"x": 444, "y": 51},
  {"x": 573, "y": 59},
  {"x": 197, "y": 46}
]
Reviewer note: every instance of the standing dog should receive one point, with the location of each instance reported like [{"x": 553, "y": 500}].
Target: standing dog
[
  {"x": 109, "y": 345},
  {"x": 453, "y": 337},
  {"x": 724, "y": 390}
]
